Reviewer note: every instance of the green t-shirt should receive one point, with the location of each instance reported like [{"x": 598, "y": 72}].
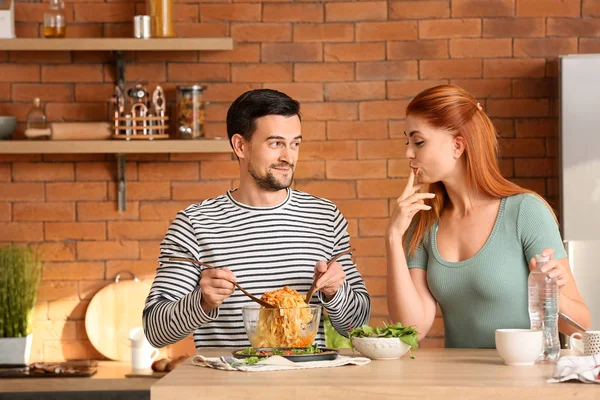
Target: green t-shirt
[{"x": 489, "y": 290}]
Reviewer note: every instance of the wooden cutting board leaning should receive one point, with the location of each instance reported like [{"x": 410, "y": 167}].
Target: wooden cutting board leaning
[{"x": 113, "y": 312}]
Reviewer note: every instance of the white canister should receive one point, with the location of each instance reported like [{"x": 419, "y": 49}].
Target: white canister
[{"x": 142, "y": 26}]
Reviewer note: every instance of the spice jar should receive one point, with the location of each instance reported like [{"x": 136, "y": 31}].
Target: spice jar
[
  {"x": 190, "y": 112},
  {"x": 161, "y": 12}
]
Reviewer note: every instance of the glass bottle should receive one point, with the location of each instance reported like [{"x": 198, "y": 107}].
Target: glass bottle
[
  {"x": 36, "y": 118},
  {"x": 190, "y": 112},
  {"x": 161, "y": 12},
  {"x": 54, "y": 20}
]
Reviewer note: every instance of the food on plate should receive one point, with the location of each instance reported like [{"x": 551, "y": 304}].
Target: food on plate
[
  {"x": 285, "y": 326},
  {"x": 251, "y": 351}
]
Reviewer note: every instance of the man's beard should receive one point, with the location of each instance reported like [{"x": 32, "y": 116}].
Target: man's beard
[{"x": 268, "y": 181}]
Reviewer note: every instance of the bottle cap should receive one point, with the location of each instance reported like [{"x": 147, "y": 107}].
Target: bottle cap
[{"x": 37, "y": 101}]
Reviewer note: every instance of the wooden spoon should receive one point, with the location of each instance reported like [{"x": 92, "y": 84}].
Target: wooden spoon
[
  {"x": 256, "y": 299},
  {"x": 313, "y": 288}
]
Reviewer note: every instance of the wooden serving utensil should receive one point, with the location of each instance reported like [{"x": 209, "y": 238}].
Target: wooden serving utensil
[
  {"x": 313, "y": 288},
  {"x": 254, "y": 298}
]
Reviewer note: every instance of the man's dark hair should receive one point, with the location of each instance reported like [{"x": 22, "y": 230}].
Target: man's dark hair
[{"x": 246, "y": 109}]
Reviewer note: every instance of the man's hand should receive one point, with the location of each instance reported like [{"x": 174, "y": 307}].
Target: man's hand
[
  {"x": 215, "y": 285},
  {"x": 330, "y": 278}
]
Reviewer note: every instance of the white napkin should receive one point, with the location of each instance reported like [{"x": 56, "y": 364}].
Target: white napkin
[
  {"x": 584, "y": 369},
  {"x": 273, "y": 363}
]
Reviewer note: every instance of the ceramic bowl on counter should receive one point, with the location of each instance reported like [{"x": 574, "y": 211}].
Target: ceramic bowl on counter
[
  {"x": 8, "y": 124},
  {"x": 380, "y": 348}
]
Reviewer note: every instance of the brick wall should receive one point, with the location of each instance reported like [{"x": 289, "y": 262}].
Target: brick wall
[{"x": 354, "y": 65}]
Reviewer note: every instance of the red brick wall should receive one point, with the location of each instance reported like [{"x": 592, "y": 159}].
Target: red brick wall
[{"x": 354, "y": 65}]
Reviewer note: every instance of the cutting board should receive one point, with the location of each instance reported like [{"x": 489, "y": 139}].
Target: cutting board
[
  {"x": 112, "y": 313},
  {"x": 153, "y": 374}
]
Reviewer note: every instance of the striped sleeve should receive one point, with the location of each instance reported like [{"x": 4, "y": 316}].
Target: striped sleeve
[
  {"x": 172, "y": 309},
  {"x": 351, "y": 305}
]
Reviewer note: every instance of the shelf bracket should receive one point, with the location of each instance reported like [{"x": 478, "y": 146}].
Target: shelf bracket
[
  {"x": 120, "y": 68},
  {"x": 121, "y": 182}
]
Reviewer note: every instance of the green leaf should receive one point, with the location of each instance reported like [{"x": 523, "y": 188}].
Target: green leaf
[{"x": 406, "y": 334}]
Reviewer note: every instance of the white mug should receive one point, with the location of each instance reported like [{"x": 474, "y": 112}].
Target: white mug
[
  {"x": 142, "y": 358},
  {"x": 519, "y": 346},
  {"x": 591, "y": 343}
]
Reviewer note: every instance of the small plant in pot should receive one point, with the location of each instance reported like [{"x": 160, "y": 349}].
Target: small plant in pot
[{"x": 20, "y": 270}]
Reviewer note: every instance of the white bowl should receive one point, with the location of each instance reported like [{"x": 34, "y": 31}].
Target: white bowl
[
  {"x": 380, "y": 348},
  {"x": 519, "y": 346}
]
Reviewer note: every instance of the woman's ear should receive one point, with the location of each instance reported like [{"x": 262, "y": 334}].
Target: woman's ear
[
  {"x": 239, "y": 145},
  {"x": 458, "y": 146}
]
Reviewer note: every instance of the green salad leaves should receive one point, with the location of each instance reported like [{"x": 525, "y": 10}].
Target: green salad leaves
[{"x": 407, "y": 334}]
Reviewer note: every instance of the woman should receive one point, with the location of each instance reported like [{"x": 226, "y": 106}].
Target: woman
[{"x": 472, "y": 239}]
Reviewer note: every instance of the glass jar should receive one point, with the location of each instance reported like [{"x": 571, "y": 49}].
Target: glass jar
[
  {"x": 54, "y": 20},
  {"x": 190, "y": 112},
  {"x": 161, "y": 12}
]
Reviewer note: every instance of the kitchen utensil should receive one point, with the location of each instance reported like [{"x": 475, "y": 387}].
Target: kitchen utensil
[
  {"x": 256, "y": 299},
  {"x": 158, "y": 101},
  {"x": 80, "y": 130},
  {"x": 113, "y": 312},
  {"x": 571, "y": 321},
  {"x": 313, "y": 287}
]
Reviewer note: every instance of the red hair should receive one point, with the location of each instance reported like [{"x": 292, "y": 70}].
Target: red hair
[{"x": 453, "y": 109}]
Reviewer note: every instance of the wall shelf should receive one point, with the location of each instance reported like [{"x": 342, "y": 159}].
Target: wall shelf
[
  {"x": 116, "y": 44},
  {"x": 118, "y": 147},
  {"x": 113, "y": 146}
]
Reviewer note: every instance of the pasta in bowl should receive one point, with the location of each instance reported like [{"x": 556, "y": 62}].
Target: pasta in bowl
[{"x": 292, "y": 324}]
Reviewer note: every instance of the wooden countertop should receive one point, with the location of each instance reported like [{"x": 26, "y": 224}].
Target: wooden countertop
[
  {"x": 435, "y": 373},
  {"x": 110, "y": 377}
]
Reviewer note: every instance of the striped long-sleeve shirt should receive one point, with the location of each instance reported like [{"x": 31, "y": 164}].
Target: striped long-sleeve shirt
[{"x": 266, "y": 248}]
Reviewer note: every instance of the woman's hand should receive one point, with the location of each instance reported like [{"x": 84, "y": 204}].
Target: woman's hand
[
  {"x": 554, "y": 269},
  {"x": 408, "y": 204}
]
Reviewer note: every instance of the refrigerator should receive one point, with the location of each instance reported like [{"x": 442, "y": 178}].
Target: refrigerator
[{"x": 579, "y": 119}]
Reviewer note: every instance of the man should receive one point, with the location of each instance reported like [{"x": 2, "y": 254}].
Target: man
[{"x": 262, "y": 235}]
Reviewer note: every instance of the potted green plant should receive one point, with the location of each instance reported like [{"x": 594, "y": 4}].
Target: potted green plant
[{"x": 20, "y": 270}]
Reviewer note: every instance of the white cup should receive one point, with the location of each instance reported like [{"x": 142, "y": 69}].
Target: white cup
[
  {"x": 519, "y": 346},
  {"x": 142, "y": 352},
  {"x": 142, "y": 358},
  {"x": 591, "y": 343}
]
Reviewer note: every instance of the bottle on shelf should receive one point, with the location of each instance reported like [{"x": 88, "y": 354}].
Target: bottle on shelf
[
  {"x": 36, "y": 122},
  {"x": 543, "y": 308},
  {"x": 54, "y": 20}
]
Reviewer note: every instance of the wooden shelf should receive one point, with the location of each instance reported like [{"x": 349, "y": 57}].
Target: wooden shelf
[
  {"x": 117, "y": 44},
  {"x": 113, "y": 146}
]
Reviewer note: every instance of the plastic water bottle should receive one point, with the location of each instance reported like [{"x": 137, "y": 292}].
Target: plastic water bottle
[{"x": 543, "y": 307}]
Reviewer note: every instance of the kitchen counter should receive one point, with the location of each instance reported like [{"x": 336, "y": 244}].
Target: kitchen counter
[
  {"x": 435, "y": 373},
  {"x": 108, "y": 383}
]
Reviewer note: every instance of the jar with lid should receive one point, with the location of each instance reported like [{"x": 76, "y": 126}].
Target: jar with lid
[
  {"x": 190, "y": 112},
  {"x": 161, "y": 13},
  {"x": 54, "y": 20}
]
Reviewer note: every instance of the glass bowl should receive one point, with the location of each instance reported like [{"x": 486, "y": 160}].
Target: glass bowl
[{"x": 281, "y": 327}]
